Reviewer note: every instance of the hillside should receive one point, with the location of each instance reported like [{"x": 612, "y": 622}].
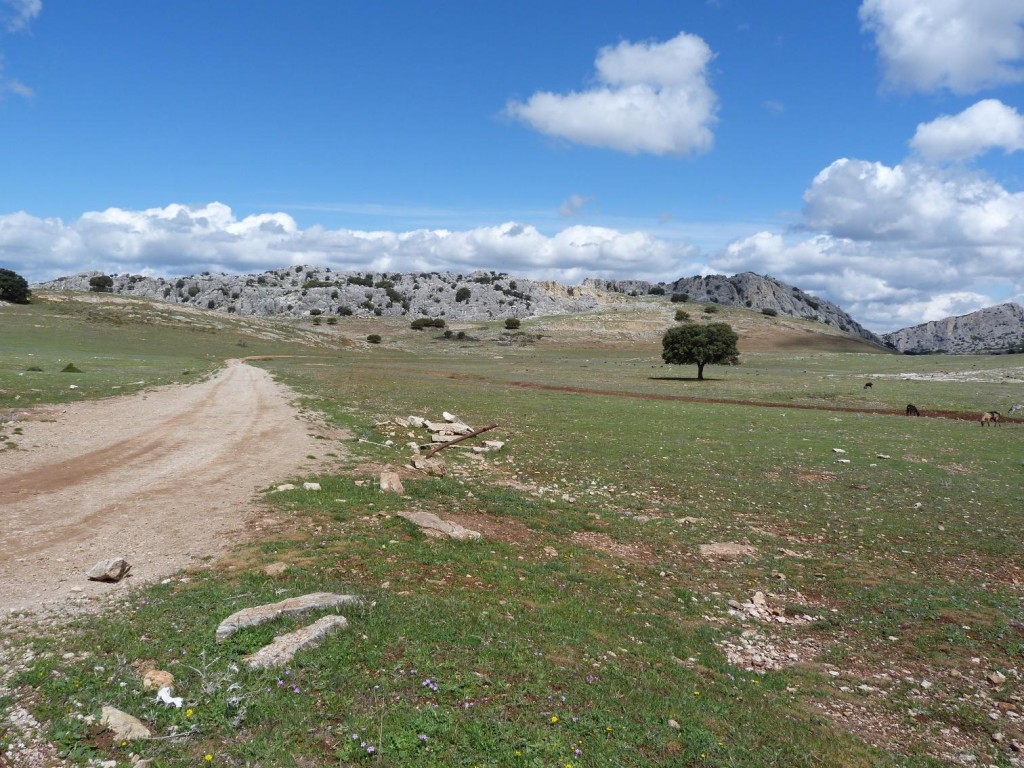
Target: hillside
[
  {"x": 303, "y": 291},
  {"x": 993, "y": 330}
]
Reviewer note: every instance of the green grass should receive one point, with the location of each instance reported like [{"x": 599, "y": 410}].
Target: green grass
[{"x": 585, "y": 619}]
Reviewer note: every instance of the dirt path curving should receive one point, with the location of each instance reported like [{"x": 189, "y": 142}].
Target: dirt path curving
[{"x": 164, "y": 478}]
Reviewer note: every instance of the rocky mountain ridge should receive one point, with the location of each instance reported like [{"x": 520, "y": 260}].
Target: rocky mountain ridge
[
  {"x": 993, "y": 330},
  {"x": 303, "y": 291},
  {"x": 317, "y": 291}
]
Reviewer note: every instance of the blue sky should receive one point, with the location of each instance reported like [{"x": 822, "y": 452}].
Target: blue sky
[{"x": 869, "y": 152}]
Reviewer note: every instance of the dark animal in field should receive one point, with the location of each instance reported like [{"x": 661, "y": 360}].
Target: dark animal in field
[
  {"x": 912, "y": 410},
  {"x": 868, "y": 385},
  {"x": 991, "y": 417},
  {"x": 1016, "y": 407}
]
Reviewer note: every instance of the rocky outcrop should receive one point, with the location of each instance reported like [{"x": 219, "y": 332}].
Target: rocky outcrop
[
  {"x": 745, "y": 290},
  {"x": 993, "y": 330},
  {"x": 303, "y": 291}
]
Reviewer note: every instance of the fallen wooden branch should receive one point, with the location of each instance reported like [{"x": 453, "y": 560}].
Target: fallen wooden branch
[{"x": 459, "y": 439}]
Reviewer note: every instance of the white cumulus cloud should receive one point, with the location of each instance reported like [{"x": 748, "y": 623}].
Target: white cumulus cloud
[
  {"x": 651, "y": 98},
  {"x": 959, "y": 45},
  {"x": 987, "y": 125},
  {"x": 180, "y": 240}
]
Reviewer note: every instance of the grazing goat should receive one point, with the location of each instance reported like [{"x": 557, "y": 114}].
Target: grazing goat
[
  {"x": 912, "y": 410},
  {"x": 868, "y": 385},
  {"x": 1016, "y": 407},
  {"x": 990, "y": 417}
]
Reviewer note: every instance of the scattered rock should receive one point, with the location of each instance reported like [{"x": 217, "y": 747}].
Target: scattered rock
[
  {"x": 124, "y": 726},
  {"x": 275, "y": 569},
  {"x": 283, "y": 649},
  {"x": 285, "y": 487},
  {"x": 726, "y": 551},
  {"x": 390, "y": 482},
  {"x": 435, "y": 527},
  {"x": 112, "y": 570},
  {"x": 996, "y": 678},
  {"x": 311, "y": 486},
  {"x": 432, "y": 466},
  {"x": 251, "y": 617},
  {"x": 157, "y": 678}
]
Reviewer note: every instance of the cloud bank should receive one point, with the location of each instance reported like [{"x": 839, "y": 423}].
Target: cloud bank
[
  {"x": 651, "y": 98},
  {"x": 179, "y": 239}
]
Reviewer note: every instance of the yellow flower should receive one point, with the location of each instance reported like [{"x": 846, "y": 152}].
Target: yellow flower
[
  {"x": 188, "y": 713},
  {"x": 208, "y": 758},
  {"x": 554, "y": 718}
]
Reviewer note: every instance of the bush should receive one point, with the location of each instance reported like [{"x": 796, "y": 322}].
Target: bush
[
  {"x": 193, "y": 291},
  {"x": 420, "y": 323},
  {"x": 461, "y": 336},
  {"x": 101, "y": 284},
  {"x": 682, "y": 316},
  {"x": 438, "y": 322},
  {"x": 462, "y": 294},
  {"x": 373, "y": 338},
  {"x": 344, "y": 311},
  {"x": 656, "y": 290},
  {"x": 512, "y": 324},
  {"x": 314, "y": 312},
  {"x": 680, "y": 298},
  {"x": 70, "y": 368},
  {"x": 710, "y": 309},
  {"x": 769, "y": 311},
  {"x": 13, "y": 287}
]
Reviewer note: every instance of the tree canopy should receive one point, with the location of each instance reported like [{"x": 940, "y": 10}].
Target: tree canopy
[
  {"x": 13, "y": 287},
  {"x": 700, "y": 345}
]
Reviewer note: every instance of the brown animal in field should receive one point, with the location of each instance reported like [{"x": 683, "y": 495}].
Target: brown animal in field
[
  {"x": 868, "y": 385},
  {"x": 912, "y": 410},
  {"x": 991, "y": 417}
]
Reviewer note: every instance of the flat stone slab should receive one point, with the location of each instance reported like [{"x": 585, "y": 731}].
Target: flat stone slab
[
  {"x": 284, "y": 647},
  {"x": 435, "y": 527},
  {"x": 251, "y": 617}
]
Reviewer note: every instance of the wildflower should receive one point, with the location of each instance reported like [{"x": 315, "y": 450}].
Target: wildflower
[
  {"x": 188, "y": 713},
  {"x": 208, "y": 757},
  {"x": 422, "y": 737},
  {"x": 554, "y": 718},
  {"x": 355, "y": 737},
  {"x": 371, "y": 749}
]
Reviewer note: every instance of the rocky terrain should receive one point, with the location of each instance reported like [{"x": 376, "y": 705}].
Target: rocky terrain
[
  {"x": 304, "y": 291},
  {"x": 993, "y": 330},
  {"x": 746, "y": 290},
  {"x": 317, "y": 291}
]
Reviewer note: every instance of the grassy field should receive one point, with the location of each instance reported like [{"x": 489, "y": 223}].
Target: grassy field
[{"x": 587, "y": 627}]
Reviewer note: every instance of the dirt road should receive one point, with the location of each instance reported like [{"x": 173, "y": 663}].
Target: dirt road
[{"x": 162, "y": 478}]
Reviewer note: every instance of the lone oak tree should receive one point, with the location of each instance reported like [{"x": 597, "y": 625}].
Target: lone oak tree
[
  {"x": 700, "y": 345},
  {"x": 13, "y": 287}
]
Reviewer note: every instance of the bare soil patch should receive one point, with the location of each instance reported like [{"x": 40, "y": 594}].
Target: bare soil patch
[{"x": 165, "y": 478}]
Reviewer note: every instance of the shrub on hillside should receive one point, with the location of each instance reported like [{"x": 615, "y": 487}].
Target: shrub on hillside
[
  {"x": 682, "y": 316},
  {"x": 462, "y": 294},
  {"x": 374, "y": 338},
  {"x": 710, "y": 309},
  {"x": 769, "y": 311},
  {"x": 101, "y": 284},
  {"x": 512, "y": 324},
  {"x": 680, "y": 298},
  {"x": 13, "y": 287}
]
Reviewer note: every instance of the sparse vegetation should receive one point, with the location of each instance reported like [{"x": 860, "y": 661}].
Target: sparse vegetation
[
  {"x": 512, "y": 323},
  {"x": 101, "y": 283},
  {"x": 587, "y": 619}
]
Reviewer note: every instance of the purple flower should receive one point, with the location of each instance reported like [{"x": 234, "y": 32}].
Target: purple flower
[
  {"x": 355, "y": 737},
  {"x": 371, "y": 749},
  {"x": 422, "y": 737}
]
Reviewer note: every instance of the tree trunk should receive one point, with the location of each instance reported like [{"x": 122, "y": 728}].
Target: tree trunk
[{"x": 700, "y": 371}]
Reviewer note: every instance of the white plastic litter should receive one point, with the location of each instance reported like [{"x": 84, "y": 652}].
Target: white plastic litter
[{"x": 164, "y": 695}]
